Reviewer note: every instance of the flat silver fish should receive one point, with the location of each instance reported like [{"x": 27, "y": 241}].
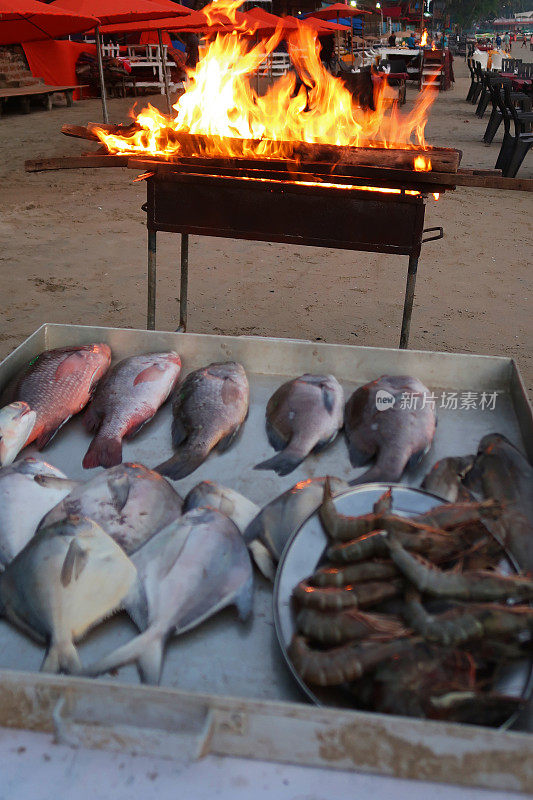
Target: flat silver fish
[
  {"x": 303, "y": 416},
  {"x": 16, "y": 423},
  {"x": 187, "y": 573},
  {"x": 129, "y": 501},
  {"x": 446, "y": 476},
  {"x": 68, "y": 578}
]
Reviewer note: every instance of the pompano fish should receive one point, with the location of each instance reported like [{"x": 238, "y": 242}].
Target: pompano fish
[
  {"x": 28, "y": 490},
  {"x": 16, "y": 423},
  {"x": 389, "y": 419},
  {"x": 129, "y": 501},
  {"x": 239, "y": 509},
  {"x": 67, "y": 579},
  {"x": 446, "y": 476},
  {"x": 187, "y": 573},
  {"x": 501, "y": 472},
  {"x": 303, "y": 416},
  {"x": 209, "y": 408},
  {"x": 278, "y": 520},
  {"x": 127, "y": 398},
  {"x": 58, "y": 384}
]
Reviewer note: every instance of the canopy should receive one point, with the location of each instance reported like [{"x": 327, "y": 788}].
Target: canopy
[
  {"x": 321, "y": 26},
  {"x": 182, "y": 20},
  {"x": 111, "y": 11},
  {"x": 288, "y": 23},
  {"x": 339, "y": 10},
  {"x": 30, "y": 21}
]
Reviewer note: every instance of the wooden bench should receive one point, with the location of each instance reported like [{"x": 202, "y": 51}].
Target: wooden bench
[{"x": 25, "y": 93}]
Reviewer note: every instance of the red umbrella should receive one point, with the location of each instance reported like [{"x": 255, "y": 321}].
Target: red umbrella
[
  {"x": 30, "y": 20},
  {"x": 287, "y": 23},
  {"x": 339, "y": 10},
  {"x": 181, "y": 20}
]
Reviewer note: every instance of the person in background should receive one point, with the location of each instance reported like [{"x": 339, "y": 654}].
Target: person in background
[
  {"x": 498, "y": 41},
  {"x": 392, "y": 40},
  {"x": 524, "y": 41},
  {"x": 411, "y": 43},
  {"x": 506, "y": 41}
]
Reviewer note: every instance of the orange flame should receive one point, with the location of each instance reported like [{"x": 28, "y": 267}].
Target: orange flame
[
  {"x": 422, "y": 164},
  {"x": 424, "y": 38},
  {"x": 308, "y": 105}
]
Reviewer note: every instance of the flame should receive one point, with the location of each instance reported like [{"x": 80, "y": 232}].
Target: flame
[
  {"x": 424, "y": 38},
  {"x": 422, "y": 164},
  {"x": 436, "y": 195},
  {"x": 230, "y": 118},
  {"x": 433, "y": 46}
]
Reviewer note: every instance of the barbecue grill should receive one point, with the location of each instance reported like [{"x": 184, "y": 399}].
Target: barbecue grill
[{"x": 322, "y": 205}]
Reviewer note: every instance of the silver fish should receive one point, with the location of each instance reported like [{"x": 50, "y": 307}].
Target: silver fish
[
  {"x": 303, "y": 416},
  {"x": 446, "y": 476},
  {"x": 209, "y": 408},
  {"x": 129, "y": 501},
  {"x": 16, "y": 423},
  {"x": 239, "y": 509},
  {"x": 28, "y": 490},
  {"x": 388, "y": 419},
  {"x": 187, "y": 573},
  {"x": 67, "y": 579},
  {"x": 277, "y": 521}
]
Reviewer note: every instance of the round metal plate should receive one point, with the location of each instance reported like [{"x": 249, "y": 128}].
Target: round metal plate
[{"x": 305, "y": 549}]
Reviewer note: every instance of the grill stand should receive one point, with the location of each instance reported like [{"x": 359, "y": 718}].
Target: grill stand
[{"x": 193, "y": 215}]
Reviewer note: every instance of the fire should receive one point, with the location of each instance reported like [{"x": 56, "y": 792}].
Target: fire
[
  {"x": 422, "y": 164},
  {"x": 223, "y": 107},
  {"x": 424, "y": 38}
]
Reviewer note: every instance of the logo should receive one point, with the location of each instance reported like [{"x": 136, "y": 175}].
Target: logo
[{"x": 384, "y": 400}]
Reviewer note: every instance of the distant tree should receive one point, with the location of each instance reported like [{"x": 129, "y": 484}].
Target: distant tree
[{"x": 466, "y": 12}]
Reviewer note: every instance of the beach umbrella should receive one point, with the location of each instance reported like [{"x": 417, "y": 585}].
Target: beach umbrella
[
  {"x": 339, "y": 11},
  {"x": 31, "y": 20},
  {"x": 114, "y": 11}
]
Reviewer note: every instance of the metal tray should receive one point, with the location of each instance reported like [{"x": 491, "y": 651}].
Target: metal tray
[
  {"x": 305, "y": 549},
  {"x": 222, "y": 658}
]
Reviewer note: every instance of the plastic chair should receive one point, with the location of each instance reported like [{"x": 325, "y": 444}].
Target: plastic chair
[
  {"x": 470, "y": 65},
  {"x": 522, "y": 121},
  {"x": 496, "y": 117},
  {"x": 484, "y": 98},
  {"x": 523, "y": 144},
  {"x": 478, "y": 86}
]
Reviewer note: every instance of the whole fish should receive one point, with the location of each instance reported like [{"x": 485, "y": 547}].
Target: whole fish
[
  {"x": 501, "y": 472},
  {"x": 209, "y": 408},
  {"x": 445, "y": 479},
  {"x": 58, "y": 384},
  {"x": 239, "y": 509},
  {"x": 388, "y": 419},
  {"x": 68, "y": 578},
  {"x": 16, "y": 423},
  {"x": 129, "y": 501},
  {"x": 187, "y": 573},
  {"x": 277, "y": 521},
  {"x": 28, "y": 490},
  {"x": 303, "y": 416},
  {"x": 128, "y": 397}
]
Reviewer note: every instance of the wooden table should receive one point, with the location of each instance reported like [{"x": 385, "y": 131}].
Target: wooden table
[{"x": 25, "y": 93}]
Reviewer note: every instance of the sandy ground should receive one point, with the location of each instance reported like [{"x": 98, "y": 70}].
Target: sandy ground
[{"x": 73, "y": 249}]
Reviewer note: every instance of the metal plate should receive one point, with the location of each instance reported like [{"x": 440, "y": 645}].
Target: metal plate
[{"x": 305, "y": 549}]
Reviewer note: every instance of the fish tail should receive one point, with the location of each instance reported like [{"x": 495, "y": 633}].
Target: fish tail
[
  {"x": 104, "y": 451},
  {"x": 376, "y": 474},
  {"x": 146, "y": 649},
  {"x": 182, "y": 463},
  {"x": 62, "y": 657},
  {"x": 283, "y": 462}
]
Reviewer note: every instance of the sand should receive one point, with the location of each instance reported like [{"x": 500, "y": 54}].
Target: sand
[{"x": 73, "y": 249}]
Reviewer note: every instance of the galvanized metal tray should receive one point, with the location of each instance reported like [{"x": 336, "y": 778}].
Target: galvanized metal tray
[{"x": 223, "y": 658}]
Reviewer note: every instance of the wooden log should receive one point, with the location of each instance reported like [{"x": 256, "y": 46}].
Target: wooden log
[
  {"x": 79, "y": 132},
  {"x": 76, "y": 162}
]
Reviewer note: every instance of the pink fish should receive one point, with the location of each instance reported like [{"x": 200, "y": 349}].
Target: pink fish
[
  {"x": 130, "y": 395},
  {"x": 58, "y": 384}
]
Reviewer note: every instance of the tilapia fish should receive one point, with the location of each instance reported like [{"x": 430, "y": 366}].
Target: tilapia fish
[
  {"x": 28, "y": 490},
  {"x": 388, "y": 419},
  {"x": 128, "y": 397},
  {"x": 187, "y": 572},
  {"x": 303, "y": 416},
  {"x": 67, "y": 579},
  {"x": 209, "y": 408},
  {"x": 278, "y": 520},
  {"x": 16, "y": 423},
  {"x": 501, "y": 472},
  {"x": 58, "y": 384},
  {"x": 129, "y": 501},
  {"x": 239, "y": 509},
  {"x": 445, "y": 479}
]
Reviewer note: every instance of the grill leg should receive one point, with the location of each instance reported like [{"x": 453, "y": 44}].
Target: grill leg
[
  {"x": 150, "y": 315},
  {"x": 184, "y": 281},
  {"x": 408, "y": 302}
]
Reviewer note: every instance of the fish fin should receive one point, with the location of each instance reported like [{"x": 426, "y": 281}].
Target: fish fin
[
  {"x": 150, "y": 663},
  {"x": 283, "y": 462},
  {"x": 53, "y": 482},
  {"x": 103, "y": 452},
  {"x": 74, "y": 563},
  {"x": 244, "y": 599},
  {"x": 276, "y": 439},
  {"x": 416, "y": 458},
  {"x": 119, "y": 487},
  {"x": 226, "y": 441},
  {"x": 373, "y": 475},
  {"x": 182, "y": 463},
  {"x": 328, "y": 398},
  {"x": 152, "y": 373},
  {"x": 179, "y": 432},
  {"x": 62, "y": 657},
  {"x": 129, "y": 652},
  {"x": 92, "y": 419},
  {"x": 323, "y": 443},
  {"x": 263, "y": 560},
  {"x": 69, "y": 366},
  {"x": 358, "y": 458}
]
